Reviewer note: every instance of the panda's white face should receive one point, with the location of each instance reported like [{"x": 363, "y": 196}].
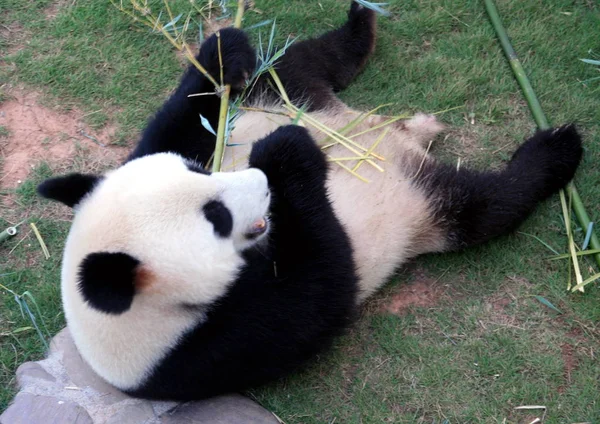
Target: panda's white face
[
  {"x": 184, "y": 228},
  {"x": 162, "y": 192},
  {"x": 152, "y": 246}
]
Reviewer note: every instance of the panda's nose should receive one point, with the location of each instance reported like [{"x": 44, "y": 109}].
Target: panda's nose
[{"x": 257, "y": 228}]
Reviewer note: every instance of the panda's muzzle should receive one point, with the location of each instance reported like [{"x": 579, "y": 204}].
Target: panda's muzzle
[{"x": 257, "y": 229}]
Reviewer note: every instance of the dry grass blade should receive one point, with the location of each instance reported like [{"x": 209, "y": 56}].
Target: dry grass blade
[
  {"x": 582, "y": 253},
  {"x": 353, "y": 124},
  {"x": 567, "y": 218},
  {"x": 584, "y": 283},
  {"x": 416, "y": 174},
  {"x": 370, "y": 151},
  {"x": 351, "y": 145},
  {"x": 382, "y": 125},
  {"x": 40, "y": 240},
  {"x": 360, "y": 177}
]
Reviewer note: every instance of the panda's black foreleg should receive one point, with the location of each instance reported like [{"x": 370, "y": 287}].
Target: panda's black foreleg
[
  {"x": 474, "y": 207},
  {"x": 307, "y": 236},
  {"x": 312, "y": 70},
  {"x": 177, "y": 126},
  {"x": 290, "y": 302}
]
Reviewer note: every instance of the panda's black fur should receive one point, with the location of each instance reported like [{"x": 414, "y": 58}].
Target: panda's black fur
[
  {"x": 289, "y": 301},
  {"x": 298, "y": 292}
]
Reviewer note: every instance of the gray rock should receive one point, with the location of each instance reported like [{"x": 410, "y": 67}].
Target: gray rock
[
  {"x": 32, "y": 370},
  {"x": 79, "y": 372},
  {"x": 140, "y": 413},
  {"x": 63, "y": 389},
  {"x": 31, "y": 409},
  {"x": 229, "y": 409}
]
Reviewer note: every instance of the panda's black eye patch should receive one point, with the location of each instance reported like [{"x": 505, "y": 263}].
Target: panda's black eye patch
[
  {"x": 196, "y": 167},
  {"x": 220, "y": 217}
]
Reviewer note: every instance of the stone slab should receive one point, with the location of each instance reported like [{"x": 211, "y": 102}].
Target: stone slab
[
  {"x": 32, "y": 409},
  {"x": 229, "y": 409},
  {"x": 63, "y": 389}
]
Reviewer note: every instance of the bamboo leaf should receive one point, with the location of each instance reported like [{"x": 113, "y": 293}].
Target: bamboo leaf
[
  {"x": 377, "y": 7},
  {"x": 591, "y": 61},
  {"x": 34, "y": 322},
  {"x": 588, "y": 236},
  {"x": 542, "y": 242},
  {"x": 260, "y": 24},
  {"x": 547, "y": 303},
  {"x": 207, "y": 125},
  {"x": 39, "y": 312},
  {"x": 21, "y": 330},
  {"x": 173, "y": 22}
]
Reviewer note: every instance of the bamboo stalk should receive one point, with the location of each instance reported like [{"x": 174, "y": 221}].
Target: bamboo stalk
[
  {"x": 538, "y": 114},
  {"x": 8, "y": 233},
  {"x": 220, "y": 142},
  {"x": 515, "y": 64}
]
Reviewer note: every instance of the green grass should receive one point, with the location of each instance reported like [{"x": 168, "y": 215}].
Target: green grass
[{"x": 488, "y": 345}]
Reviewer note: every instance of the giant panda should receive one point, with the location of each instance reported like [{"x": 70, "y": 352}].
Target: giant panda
[{"x": 179, "y": 283}]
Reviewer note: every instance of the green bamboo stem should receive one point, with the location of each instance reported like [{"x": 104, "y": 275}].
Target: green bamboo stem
[
  {"x": 537, "y": 112},
  {"x": 220, "y": 142},
  {"x": 8, "y": 233}
]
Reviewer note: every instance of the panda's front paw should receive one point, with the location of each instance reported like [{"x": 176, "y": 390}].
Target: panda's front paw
[
  {"x": 237, "y": 55},
  {"x": 289, "y": 155}
]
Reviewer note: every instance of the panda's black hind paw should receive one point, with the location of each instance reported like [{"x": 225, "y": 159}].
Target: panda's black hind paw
[
  {"x": 554, "y": 153},
  {"x": 237, "y": 55},
  {"x": 358, "y": 11}
]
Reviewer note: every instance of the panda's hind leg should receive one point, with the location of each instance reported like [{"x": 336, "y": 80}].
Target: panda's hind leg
[
  {"x": 313, "y": 70},
  {"x": 473, "y": 207},
  {"x": 422, "y": 128}
]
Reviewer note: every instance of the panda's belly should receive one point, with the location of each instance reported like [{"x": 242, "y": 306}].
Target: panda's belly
[{"x": 383, "y": 218}]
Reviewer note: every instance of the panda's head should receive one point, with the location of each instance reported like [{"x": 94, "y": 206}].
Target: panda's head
[{"x": 158, "y": 230}]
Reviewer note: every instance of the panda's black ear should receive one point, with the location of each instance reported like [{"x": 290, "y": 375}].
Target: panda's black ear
[
  {"x": 108, "y": 281},
  {"x": 68, "y": 189}
]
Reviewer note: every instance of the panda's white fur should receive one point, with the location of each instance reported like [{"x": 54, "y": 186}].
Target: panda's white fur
[
  {"x": 151, "y": 209},
  {"x": 388, "y": 219}
]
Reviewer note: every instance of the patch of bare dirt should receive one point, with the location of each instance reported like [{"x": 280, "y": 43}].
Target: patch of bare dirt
[
  {"x": 423, "y": 292},
  {"x": 37, "y": 133},
  {"x": 500, "y": 308},
  {"x": 568, "y": 354},
  {"x": 13, "y": 36},
  {"x": 499, "y": 304},
  {"x": 52, "y": 11}
]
